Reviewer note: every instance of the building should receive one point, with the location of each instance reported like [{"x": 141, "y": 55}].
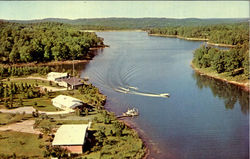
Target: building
[
  {"x": 71, "y": 137},
  {"x": 66, "y": 102},
  {"x": 54, "y": 76},
  {"x": 71, "y": 83}
]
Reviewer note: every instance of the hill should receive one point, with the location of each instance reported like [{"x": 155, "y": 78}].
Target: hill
[{"x": 135, "y": 23}]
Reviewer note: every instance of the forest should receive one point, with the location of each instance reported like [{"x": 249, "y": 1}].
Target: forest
[
  {"x": 43, "y": 42},
  {"x": 234, "y": 61},
  {"x": 231, "y": 34}
]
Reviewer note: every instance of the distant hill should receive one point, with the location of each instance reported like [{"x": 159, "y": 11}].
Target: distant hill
[{"x": 136, "y": 23}]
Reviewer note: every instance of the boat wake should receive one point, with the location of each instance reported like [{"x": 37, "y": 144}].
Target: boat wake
[
  {"x": 117, "y": 74},
  {"x": 135, "y": 91}
]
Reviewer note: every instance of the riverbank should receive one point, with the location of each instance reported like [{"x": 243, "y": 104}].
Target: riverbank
[
  {"x": 141, "y": 134},
  {"x": 243, "y": 84},
  {"x": 180, "y": 37},
  {"x": 193, "y": 39},
  {"x": 114, "y": 30}
]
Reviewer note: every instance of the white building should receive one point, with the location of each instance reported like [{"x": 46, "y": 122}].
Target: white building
[
  {"x": 54, "y": 76},
  {"x": 66, "y": 102},
  {"x": 71, "y": 137}
]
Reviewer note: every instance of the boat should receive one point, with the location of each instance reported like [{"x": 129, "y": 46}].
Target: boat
[
  {"x": 124, "y": 89},
  {"x": 165, "y": 95},
  {"x": 86, "y": 78},
  {"x": 135, "y": 88},
  {"x": 131, "y": 112}
]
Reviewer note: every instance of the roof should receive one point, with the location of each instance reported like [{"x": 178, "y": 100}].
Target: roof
[
  {"x": 57, "y": 74},
  {"x": 70, "y": 135},
  {"x": 67, "y": 101},
  {"x": 73, "y": 81}
]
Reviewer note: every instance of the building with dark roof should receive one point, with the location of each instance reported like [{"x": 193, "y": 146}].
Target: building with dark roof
[{"x": 71, "y": 83}]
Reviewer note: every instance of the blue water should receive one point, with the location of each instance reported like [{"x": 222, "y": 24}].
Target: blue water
[{"x": 202, "y": 119}]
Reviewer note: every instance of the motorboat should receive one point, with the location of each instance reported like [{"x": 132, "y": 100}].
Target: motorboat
[
  {"x": 131, "y": 112},
  {"x": 165, "y": 95}
]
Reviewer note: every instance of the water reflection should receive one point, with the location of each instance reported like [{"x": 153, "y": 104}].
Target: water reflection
[{"x": 228, "y": 92}]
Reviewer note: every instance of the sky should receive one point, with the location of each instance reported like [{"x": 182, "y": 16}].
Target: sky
[{"x": 27, "y": 10}]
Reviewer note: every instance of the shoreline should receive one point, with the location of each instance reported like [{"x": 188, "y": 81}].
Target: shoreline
[
  {"x": 113, "y": 30},
  {"x": 140, "y": 133},
  {"x": 243, "y": 85},
  {"x": 193, "y": 39}
]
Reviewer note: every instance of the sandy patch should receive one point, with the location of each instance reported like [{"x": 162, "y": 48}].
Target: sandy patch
[
  {"x": 25, "y": 126},
  {"x": 27, "y": 110}
]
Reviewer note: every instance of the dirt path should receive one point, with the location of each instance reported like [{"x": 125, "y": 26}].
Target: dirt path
[
  {"x": 29, "y": 110},
  {"x": 30, "y": 77},
  {"x": 25, "y": 126},
  {"x": 56, "y": 113},
  {"x": 52, "y": 89}
]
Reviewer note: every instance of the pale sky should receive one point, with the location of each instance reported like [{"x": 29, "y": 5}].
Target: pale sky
[{"x": 26, "y": 10}]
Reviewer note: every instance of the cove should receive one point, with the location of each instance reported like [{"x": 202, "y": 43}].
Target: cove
[{"x": 202, "y": 118}]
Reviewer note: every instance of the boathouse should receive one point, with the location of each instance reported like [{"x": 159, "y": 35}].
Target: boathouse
[
  {"x": 67, "y": 103},
  {"x": 71, "y": 137},
  {"x": 54, "y": 76},
  {"x": 71, "y": 83}
]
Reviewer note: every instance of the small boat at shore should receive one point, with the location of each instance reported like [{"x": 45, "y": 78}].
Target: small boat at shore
[{"x": 131, "y": 112}]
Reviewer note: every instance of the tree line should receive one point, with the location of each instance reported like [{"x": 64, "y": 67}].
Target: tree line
[
  {"x": 24, "y": 90},
  {"x": 136, "y": 23},
  {"x": 23, "y": 71},
  {"x": 231, "y": 34},
  {"x": 42, "y": 42}
]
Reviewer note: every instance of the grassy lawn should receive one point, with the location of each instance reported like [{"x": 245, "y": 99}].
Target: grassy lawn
[
  {"x": 55, "y": 122},
  {"x": 22, "y": 144},
  {"x": 43, "y": 103},
  {"x": 6, "y": 118}
]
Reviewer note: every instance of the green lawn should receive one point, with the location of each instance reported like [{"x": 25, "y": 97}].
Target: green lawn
[
  {"x": 22, "y": 144},
  {"x": 6, "y": 118},
  {"x": 43, "y": 103}
]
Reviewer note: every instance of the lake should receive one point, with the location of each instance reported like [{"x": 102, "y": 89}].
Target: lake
[{"x": 202, "y": 119}]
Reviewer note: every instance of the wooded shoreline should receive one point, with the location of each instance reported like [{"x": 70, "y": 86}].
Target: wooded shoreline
[
  {"x": 244, "y": 85},
  {"x": 192, "y": 39}
]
